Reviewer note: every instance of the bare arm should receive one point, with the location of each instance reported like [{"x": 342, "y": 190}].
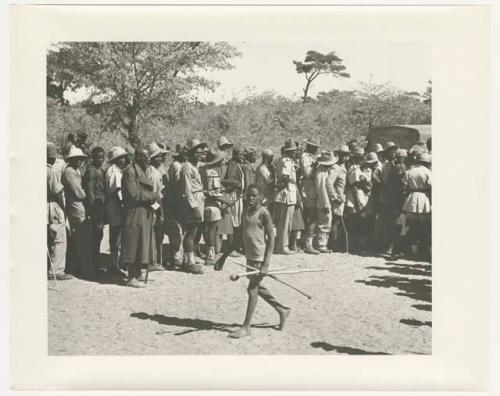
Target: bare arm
[{"x": 269, "y": 230}]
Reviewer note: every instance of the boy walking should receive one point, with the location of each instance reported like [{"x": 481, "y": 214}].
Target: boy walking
[{"x": 258, "y": 239}]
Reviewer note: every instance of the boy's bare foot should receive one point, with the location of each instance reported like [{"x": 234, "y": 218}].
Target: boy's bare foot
[
  {"x": 240, "y": 333},
  {"x": 284, "y": 312}
]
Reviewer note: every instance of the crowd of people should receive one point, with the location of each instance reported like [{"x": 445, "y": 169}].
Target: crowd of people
[{"x": 361, "y": 200}]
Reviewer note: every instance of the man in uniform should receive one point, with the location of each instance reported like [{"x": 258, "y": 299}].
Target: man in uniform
[
  {"x": 155, "y": 175},
  {"x": 79, "y": 241},
  {"x": 323, "y": 201},
  {"x": 193, "y": 201},
  {"x": 308, "y": 191},
  {"x": 335, "y": 186},
  {"x": 56, "y": 221},
  {"x": 115, "y": 211},
  {"x": 286, "y": 197},
  {"x": 172, "y": 202}
]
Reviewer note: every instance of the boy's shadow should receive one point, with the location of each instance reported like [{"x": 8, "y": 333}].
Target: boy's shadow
[{"x": 193, "y": 324}]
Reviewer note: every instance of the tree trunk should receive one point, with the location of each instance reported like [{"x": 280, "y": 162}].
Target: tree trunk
[
  {"x": 131, "y": 126},
  {"x": 306, "y": 90}
]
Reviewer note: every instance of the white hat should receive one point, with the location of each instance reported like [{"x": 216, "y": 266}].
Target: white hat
[
  {"x": 116, "y": 152},
  {"x": 154, "y": 150},
  {"x": 75, "y": 152}
]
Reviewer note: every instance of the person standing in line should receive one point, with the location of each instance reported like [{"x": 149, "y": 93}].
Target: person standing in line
[
  {"x": 370, "y": 188},
  {"x": 297, "y": 218},
  {"x": 286, "y": 197},
  {"x": 93, "y": 185},
  {"x": 114, "y": 207},
  {"x": 377, "y": 239},
  {"x": 56, "y": 221},
  {"x": 309, "y": 194},
  {"x": 193, "y": 202},
  {"x": 335, "y": 186},
  {"x": 225, "y": 226},
  {"x": 258, "y": 238},
  {"x": 356, "y": 198},
  {"x": 234, "y": 184},
  {"x": 79, "y": 238},
  {"x": 264, "y": 178},
  {"x": 391, "y": 190},
  {"x": 323, "y": 200},
  {"x": 154, "y": 173},
  {"x": 212, "y": 186},
  {"x": 141, "y": 201},
  {"x": 172, "y": 204},
  {"x": 250, "y": 158},
  {"x": 417, "y": 182}
]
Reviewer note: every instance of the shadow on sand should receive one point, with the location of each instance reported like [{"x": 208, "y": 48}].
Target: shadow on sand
[
  {"x": 415, "y": 322},
  {"x": 193, "y": 324},
  {"x": 343, "y": 349},
  {"x": 416, "y": 288}
]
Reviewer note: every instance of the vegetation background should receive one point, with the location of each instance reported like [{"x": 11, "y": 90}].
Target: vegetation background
[{"x": 143, "y": 92}]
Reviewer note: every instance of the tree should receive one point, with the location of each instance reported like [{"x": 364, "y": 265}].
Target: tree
[
  {"x": 128, "y": 81},
  {"x": 428, "y": 94},
  {"x": 316, "y": 64}
]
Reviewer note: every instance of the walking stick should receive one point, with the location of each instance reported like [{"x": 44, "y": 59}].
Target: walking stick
[
  {"x": 275, "y": 278},
  {"x": 346, "y": 234},
  {"x": 52, "y": 269}
]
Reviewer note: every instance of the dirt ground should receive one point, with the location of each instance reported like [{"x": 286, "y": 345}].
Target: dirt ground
[{"x": 360, "y": 305}]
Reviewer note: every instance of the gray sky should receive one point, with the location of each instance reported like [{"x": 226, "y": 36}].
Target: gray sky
[{"x": 268, "y": 66}]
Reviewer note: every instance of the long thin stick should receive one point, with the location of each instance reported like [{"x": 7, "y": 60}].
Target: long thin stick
[
  {"x": 276, "y": 279},
  {"x": 235, "y": 277},
  {"x": 346, "y": 234},
  {"x": 52, "y": 269}
]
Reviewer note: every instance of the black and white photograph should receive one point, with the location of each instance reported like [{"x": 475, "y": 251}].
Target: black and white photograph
[{"x": 239, "y": 198}]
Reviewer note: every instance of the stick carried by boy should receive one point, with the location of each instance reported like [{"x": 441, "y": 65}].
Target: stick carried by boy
[
  {"x": 258, "y": 238},
  {"x": 276, "y": 271}
]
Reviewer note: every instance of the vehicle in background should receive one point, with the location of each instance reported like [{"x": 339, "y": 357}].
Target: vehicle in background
[{"x": 405, "y": 136}]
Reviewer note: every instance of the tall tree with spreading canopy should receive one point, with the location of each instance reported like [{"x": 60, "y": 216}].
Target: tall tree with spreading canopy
[
  {"x": 127, "y": 81},
  {"x": 316, "y": 64}
]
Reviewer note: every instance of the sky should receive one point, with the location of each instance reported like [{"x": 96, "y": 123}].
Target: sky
[{"x": 268, "y": 66}]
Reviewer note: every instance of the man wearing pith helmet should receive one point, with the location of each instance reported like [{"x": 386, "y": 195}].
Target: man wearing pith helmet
[
  {"x": 308, "y": 191},
  {"x": 154, "y": 173},
  {"x": 115, "y": 211},
  {"x": 285, "y": 198},
  {"x": 56, "y": 221},
  {"x": 79, "y": 241},
  {"x": 193, "y": 201},
  {"x": 336, "y": 183},
  {"x": 323, "y": 203}
]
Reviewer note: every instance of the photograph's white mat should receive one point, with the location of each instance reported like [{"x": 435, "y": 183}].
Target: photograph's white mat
[{"x": 459, "y": 42}]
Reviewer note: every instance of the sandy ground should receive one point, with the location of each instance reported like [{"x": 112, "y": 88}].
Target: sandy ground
[{"x": 360, "y": 305}]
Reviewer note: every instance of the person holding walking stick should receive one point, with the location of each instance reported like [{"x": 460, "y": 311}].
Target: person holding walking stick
[
  {"x": 258, "y": 239},
  {"x": 141, "y": 202}
]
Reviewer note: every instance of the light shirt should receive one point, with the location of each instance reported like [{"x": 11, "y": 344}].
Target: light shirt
[
  {"x": 286, "y": 194},
  {"x": 113, "y": 191}
]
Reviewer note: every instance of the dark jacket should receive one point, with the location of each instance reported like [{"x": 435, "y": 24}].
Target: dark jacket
[{"x": 93, "y": 184}]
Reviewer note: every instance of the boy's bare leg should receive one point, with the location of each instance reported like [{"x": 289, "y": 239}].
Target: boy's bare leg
[
  {"x": 253, "y": 296},
  {"x": 269, "y": 298}
]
